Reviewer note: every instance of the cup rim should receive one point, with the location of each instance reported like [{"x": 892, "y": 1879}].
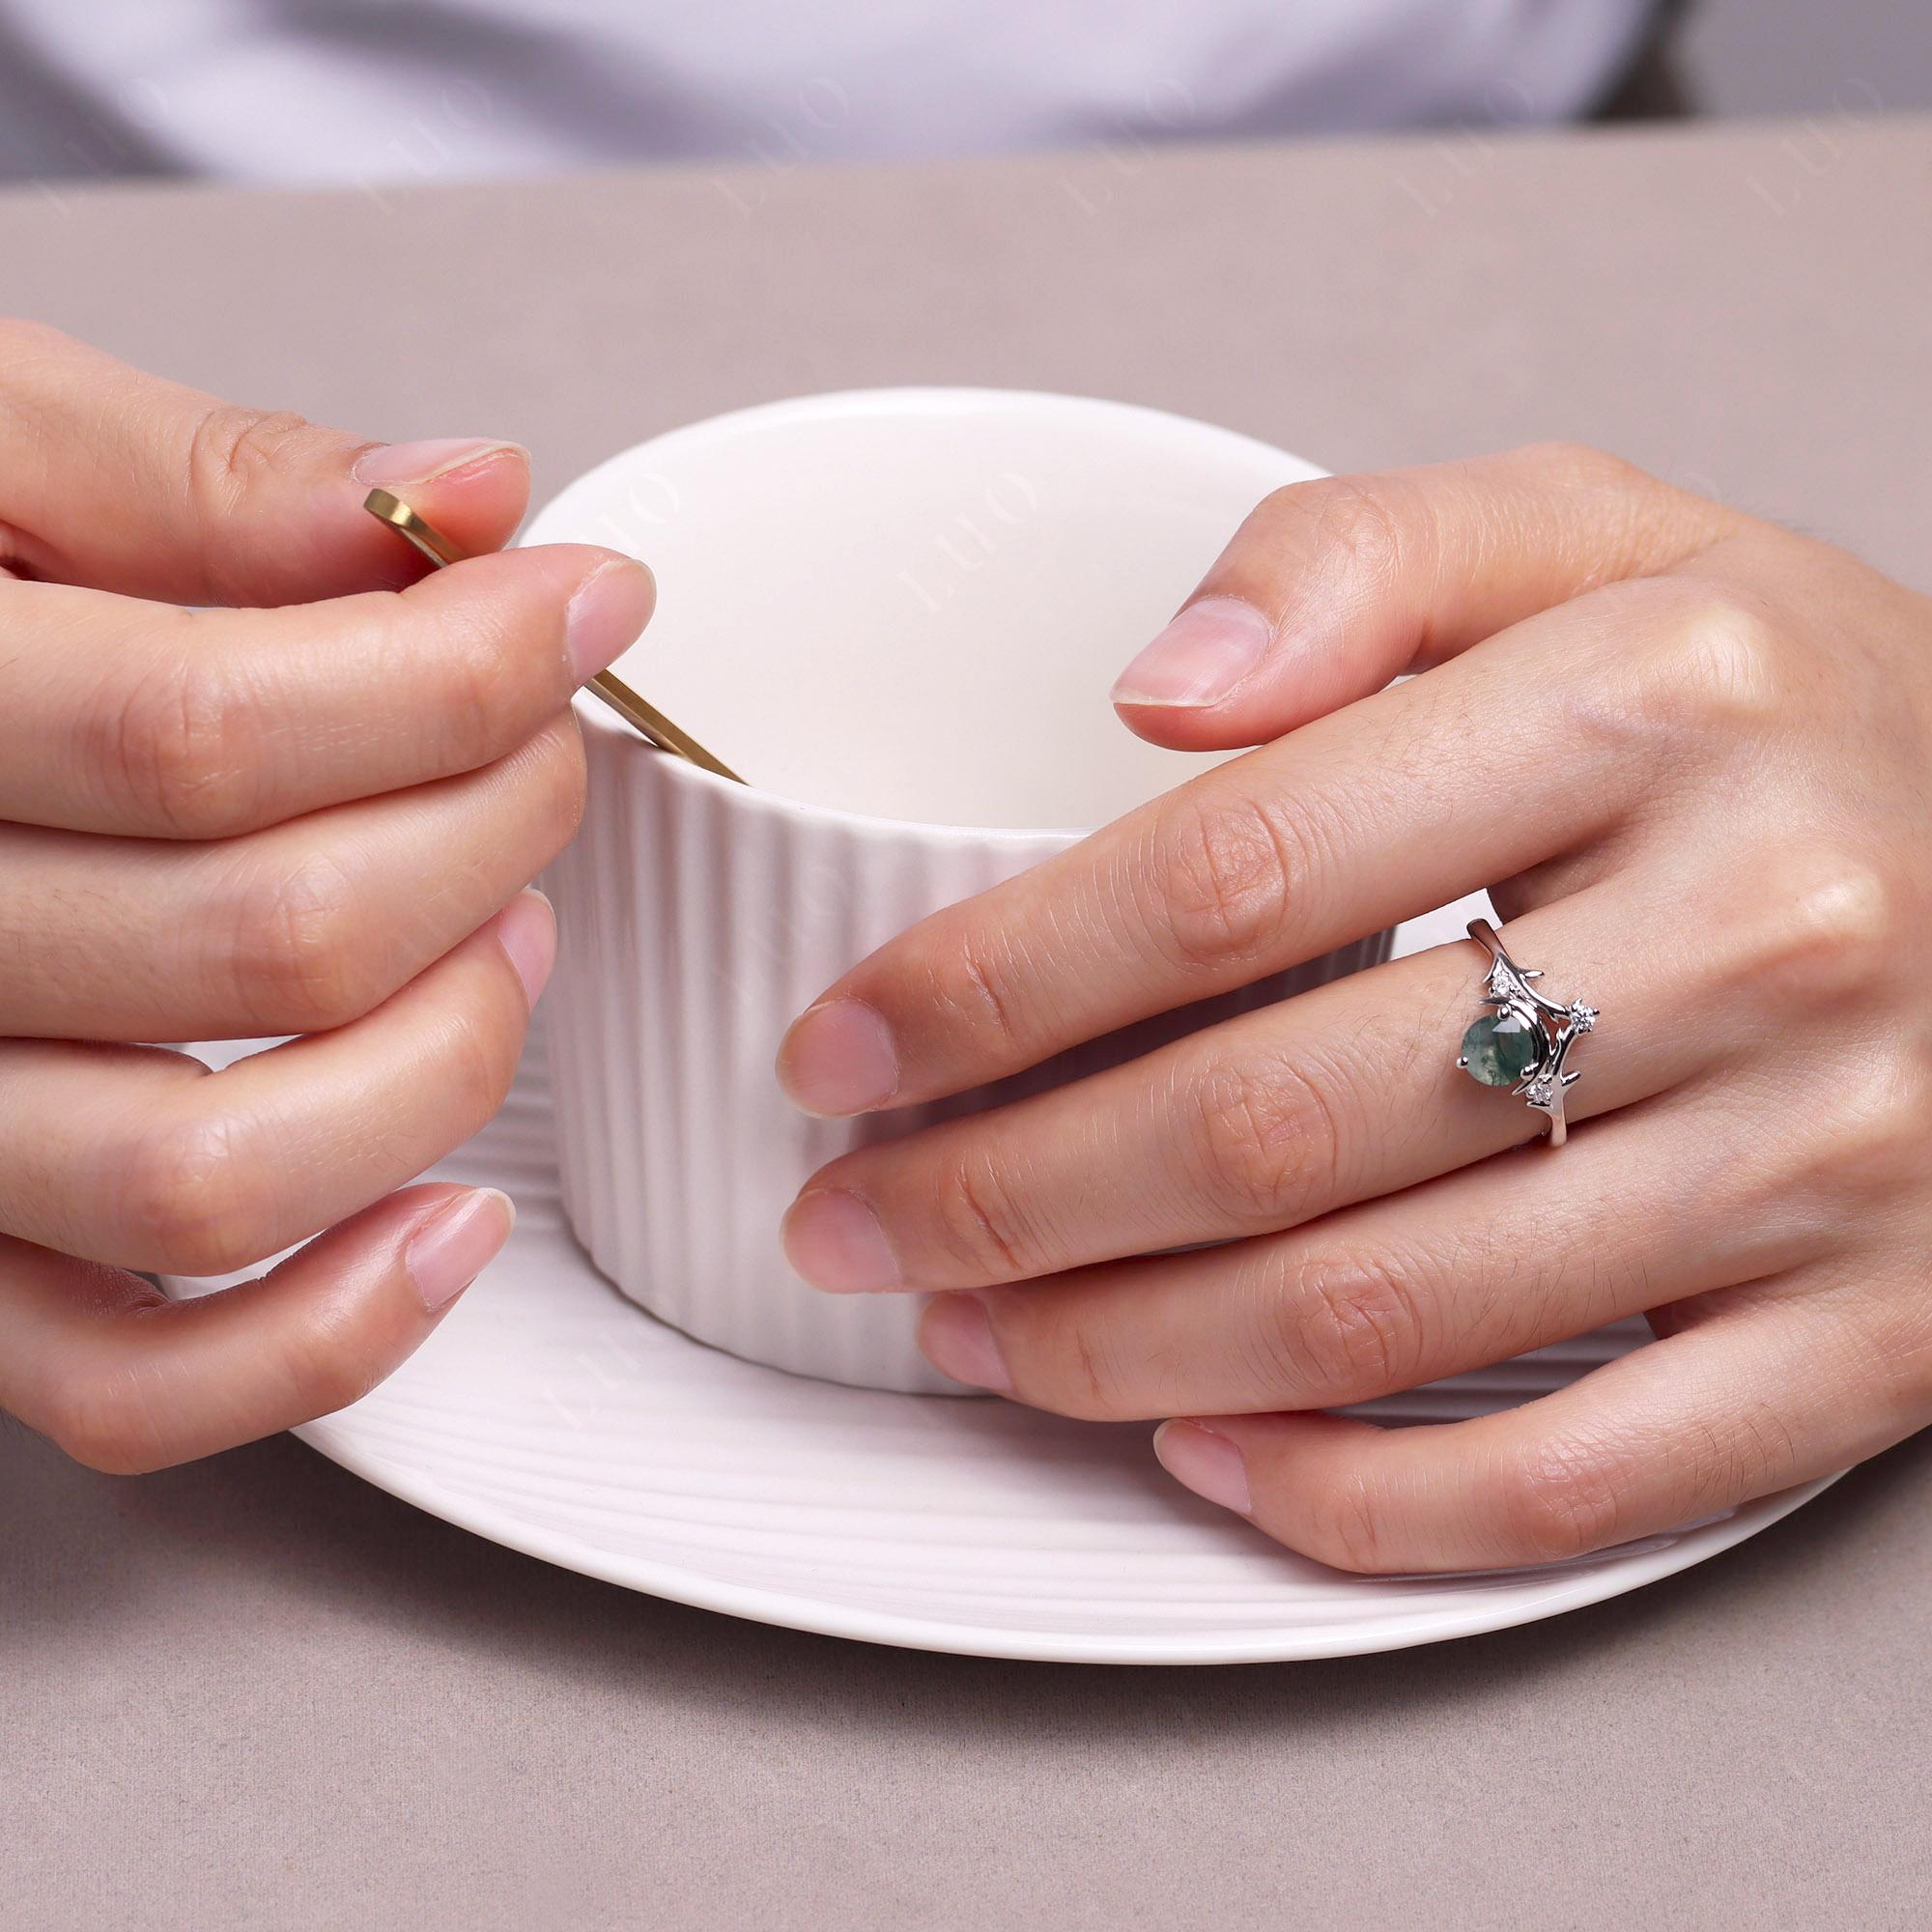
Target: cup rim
[{"x": 960, "y": 399}]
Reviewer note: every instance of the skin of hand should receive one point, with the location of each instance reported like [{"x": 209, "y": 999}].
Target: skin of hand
[
  {"x": 1691, "y": 754},
  {"x": 256, "y": 779}
]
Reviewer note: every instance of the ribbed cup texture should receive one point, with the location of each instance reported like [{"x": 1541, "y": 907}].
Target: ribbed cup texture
[{"x": 697, "y": 920}]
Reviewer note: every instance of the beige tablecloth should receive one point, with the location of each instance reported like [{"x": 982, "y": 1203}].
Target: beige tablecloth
[{"x": 258, "y": 1693}]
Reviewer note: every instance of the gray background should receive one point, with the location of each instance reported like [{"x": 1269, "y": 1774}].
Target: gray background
[
  {"x": 258, "y": 1693},
  {"x": 1806, "y": 57}
]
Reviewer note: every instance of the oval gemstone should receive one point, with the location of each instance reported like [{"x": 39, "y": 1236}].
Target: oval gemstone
[{"x": 1500, "y": 1048}]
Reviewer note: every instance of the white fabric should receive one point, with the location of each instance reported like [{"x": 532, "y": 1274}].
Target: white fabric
[{"x": 351, "y": 91}]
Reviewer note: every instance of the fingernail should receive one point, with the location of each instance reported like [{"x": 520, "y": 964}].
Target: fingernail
[
  {"x": 612, "y": 607},
  {"x": 1205, "y": 1463},
  {"x": 395, "y": 464},
  {"x": 1201, "y": 656},
  {"x": 840, "y": 1059},
  {"x": 526, "y": 931},
  {"x": 835, "y": 1241},
  {"x": 449, "y": 1253},
  {"x": 956, "y": 1334}
]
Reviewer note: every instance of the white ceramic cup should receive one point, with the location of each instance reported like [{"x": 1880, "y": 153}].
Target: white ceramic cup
[{"x": 898, "y": 613}]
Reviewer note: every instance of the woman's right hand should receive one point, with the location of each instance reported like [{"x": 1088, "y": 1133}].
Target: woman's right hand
[{"x": 314, "y": 811}]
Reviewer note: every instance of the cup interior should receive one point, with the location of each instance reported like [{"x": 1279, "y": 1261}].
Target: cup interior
[{"x": 912, "y": 604}]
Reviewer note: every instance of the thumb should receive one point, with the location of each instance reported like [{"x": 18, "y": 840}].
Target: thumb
[
  {"x": 118, "y": 480},
  {"x": 1332, "y": 588}
]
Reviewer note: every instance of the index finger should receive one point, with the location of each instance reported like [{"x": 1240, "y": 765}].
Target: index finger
[
  {"x": 1257, "y": 866},
  {"x": 1372, "y": 814},
  {"x": 119, "y": 480},
  {"x": 1333, "y": 586}
]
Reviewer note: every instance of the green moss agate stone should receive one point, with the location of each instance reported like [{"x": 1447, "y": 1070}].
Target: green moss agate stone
[{"x": 1500, "y": 1048}]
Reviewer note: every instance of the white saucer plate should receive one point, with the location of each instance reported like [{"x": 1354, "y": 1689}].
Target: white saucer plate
[{"x": 551, "y": 1415}]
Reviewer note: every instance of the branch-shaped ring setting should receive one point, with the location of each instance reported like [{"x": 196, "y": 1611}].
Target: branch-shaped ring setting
[{"x": 1522, "y": 1044}]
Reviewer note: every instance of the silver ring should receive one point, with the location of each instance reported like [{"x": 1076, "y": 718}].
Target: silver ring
[{"x": 1523, "y": 1043}]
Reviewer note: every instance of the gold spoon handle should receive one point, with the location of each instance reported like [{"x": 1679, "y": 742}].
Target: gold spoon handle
[{"x": 641, "y": 716}]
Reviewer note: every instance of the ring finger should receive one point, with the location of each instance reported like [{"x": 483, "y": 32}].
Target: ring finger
[{"x": 1338, "y": 1095}]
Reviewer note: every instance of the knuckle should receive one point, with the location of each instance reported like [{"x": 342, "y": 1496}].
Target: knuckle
[
  {"x": 325, "y": 1369},
  {"x": 1096, "y": 1381},
  {"x": 1708, "y": 660},
  {"x": 1579, "y": 466},
  {"x": 1075, "y": 1364},
  {"x": 23, "y": 335},
  {"x": 1897, "y": 1354},
  {"x": 974, "y": 985},
  {"x": 1751, "y": 1451},
  {"x": 546, "y": 781},
  {"x": 24, "y": 341},
  {"x": 1227, "y": 868},
  {"x": 190, "y": 1203},
  {"x": 1832, "y": 927},
  {"x": 1348, "y": 1329},
  {"x": 981, "y": 1223},
  {"x": 1345, "y": 1528},
  {"x": 232, "y": 449},
  {"x": 1911, "y": 1112},
  {"x": 1357, "y": 523},
  {"x": 1563, "y": 1497},
  {"x": 1867, "y": 1144},
  {"x": 181, "y": 747},
  {"x": 1266, "y": 1140},
  {"x": 485, "y": 1045},
  {"x": 564, "y": 766},
  {"x": 492, "y": 679},
  {"x": 298, "y": 955}
]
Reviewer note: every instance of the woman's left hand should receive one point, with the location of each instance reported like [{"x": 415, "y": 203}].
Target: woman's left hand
[{"x": 1691, "y": 754}]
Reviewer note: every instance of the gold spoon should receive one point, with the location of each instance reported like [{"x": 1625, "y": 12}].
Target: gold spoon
[{"x": 641, "y": 717}]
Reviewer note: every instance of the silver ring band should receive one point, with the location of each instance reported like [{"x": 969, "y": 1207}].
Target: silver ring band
[{"x": 1523, "y": 1042}]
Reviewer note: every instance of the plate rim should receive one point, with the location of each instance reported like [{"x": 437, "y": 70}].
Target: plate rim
[{"x": 1571, "y": 1587}]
